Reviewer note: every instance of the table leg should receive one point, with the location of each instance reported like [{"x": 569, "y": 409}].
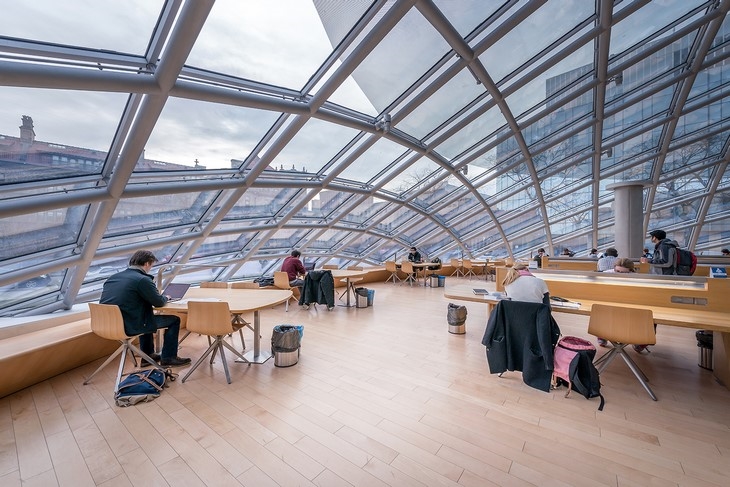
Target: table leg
[
  {"x": 347, "y": 290},
  {"x": 256, "y": 356}
]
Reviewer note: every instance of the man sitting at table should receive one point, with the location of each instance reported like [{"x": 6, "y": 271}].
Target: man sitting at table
[
  {"x": 134, "y": 291},
  {"x": 294, "y": 269},
  {"x": 414, "y": 256}
]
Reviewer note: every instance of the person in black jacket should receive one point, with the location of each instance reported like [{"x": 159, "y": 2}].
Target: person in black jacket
[{"x": 134, "y": 291}]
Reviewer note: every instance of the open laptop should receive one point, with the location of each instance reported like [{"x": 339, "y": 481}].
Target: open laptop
[{"x": 176, "y": 290}]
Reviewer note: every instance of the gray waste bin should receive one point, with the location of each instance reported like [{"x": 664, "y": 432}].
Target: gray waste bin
[
  {"x": 704, "y": 344},
  {"x": 434, "y": 280},
  {"x": 361, "y": 297},
  {"x": 285, "y": 344},
  {"x": 456, "y": 317}
]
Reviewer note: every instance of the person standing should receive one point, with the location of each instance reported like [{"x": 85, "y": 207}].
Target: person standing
[
  {"x": 134, "y": 291},
  {"x": 294, "y": 269},
  {"x": 664, "y": 258}
]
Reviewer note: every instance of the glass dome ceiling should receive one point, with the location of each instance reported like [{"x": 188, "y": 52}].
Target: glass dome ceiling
[{"x": 223, "y": 134}]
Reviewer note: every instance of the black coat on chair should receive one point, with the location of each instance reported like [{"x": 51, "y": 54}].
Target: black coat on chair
[
  {"x": 319, "y": 287},
  {"x": 522, "y": 336}
]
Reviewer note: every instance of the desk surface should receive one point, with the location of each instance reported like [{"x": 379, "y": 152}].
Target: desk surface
[
  {"x": 345, "y": 273},
  {"x": 239, "y": 300},
  {"x": 703, "y": 320}
]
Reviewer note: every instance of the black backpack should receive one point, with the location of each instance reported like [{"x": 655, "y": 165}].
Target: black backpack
[
  {"x": 686, "y": 262},
  {"x": 573, "y": 366}
]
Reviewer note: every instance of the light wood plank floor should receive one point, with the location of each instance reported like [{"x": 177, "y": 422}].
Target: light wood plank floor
[{"x": 381, "y": 396}]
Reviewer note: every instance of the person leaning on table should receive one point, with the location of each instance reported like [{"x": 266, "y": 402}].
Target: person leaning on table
[
  {"x": 520, "y": 285},
  {"x": 134, "y": 291}
]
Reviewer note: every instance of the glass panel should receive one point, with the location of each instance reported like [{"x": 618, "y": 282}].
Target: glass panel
[
  {"x": 465, "y": 15},
  {"x": 48, "y": 146},
  {"x": 375, "y": 159},
  {"x": 409, "y": 50},
  {"x": 101, "y": 24},
  {"x": 135, "y": 215},
  {"x": 534, "y": 34},
  {"x": 657, "y": 104},
  {"x": 474, "y": 132},
  {"x": 190, "y": 133},
  {"x": 34, "y": 233}
]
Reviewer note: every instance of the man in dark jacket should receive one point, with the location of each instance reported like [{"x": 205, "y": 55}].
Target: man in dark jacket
[
  {"x": 664, "y": 258},
  {"x": 134, "y": 291}
]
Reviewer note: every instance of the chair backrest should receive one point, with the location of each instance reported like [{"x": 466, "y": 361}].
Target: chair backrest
[
  {"x": 214, "y": 284},
  {"x": 455, "y": 263},
  {"x": 406, "y": 266},
  {"x": 106, "y": 321},
  {"x": 245, "y": 285},
  {"x": 354, "y": 268},
  {"x": 391, "y": 266},
  {"x": 281, "y": 280},
  {"x": 467, "y": 263},
  {"x": 209, "y": 318},
  {"x": 509, "y": 261},
  {"x": 330, "y": 266},
  {"x": 624, "y": 325}
]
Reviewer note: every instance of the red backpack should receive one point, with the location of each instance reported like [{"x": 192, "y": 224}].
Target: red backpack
[{"x": 686, "y": 262}]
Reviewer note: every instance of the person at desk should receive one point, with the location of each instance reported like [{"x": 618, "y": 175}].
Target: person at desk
[
  {"x": 608, "y": 260},
  {"x": 538, "y": 258},
  {"x": 520, "y": 285},
  {"x": 646, "y": 254},
  {"x": 133, "y": 290},
  {"x": 294, "y": 269},
  {"x": 725, "y": 252},
  {"x": 414, "y": 256},
  {"x": 593, "y": 254}
]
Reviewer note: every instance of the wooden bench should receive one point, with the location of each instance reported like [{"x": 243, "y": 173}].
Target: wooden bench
[{"x": 39, "y": 353}]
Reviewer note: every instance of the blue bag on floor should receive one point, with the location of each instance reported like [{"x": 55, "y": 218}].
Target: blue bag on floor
[{"x": 142, "y": 386}]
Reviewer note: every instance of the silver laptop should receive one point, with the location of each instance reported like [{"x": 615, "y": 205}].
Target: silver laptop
[{"x": 176, "y": 290}]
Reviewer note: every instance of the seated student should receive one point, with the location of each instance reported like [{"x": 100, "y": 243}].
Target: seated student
[
  {"x": 294, "y": 269},
  {"x": 593, "y": 254},
  {"x": 646, "y": 254},
  {"x": 414, "y": 256},
  {"x": 567, "y": 252},
  {"x": 520, "y": 285},
  {"x": 608, "y": 260},
  {"x": 725, "y": 252}
]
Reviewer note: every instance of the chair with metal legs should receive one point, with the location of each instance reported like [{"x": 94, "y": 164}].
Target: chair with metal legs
[
  {"x": 213, "y": 318},
  {"x": 107, "y": 322},
  {"x": 623, "y": 326},
  {"x": 456, "y": 265},
  {"x": 392, "y": 267},
  {"x": 408, "y": 269},
  {"x": 281, "y": 281}
]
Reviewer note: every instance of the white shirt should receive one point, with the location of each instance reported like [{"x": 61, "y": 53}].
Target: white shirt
[
  {"x": 527, "y": 288},
  {"x": 606, "y": 263}
]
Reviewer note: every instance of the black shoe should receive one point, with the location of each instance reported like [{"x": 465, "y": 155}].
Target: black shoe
[
  {"x": 153, "y": 356},
  {"x": 174, "y": 361}
]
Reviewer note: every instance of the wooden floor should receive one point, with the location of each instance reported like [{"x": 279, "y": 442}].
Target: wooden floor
[{"x": 380, "y": 396}]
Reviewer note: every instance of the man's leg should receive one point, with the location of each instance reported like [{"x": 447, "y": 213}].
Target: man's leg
[
  {"x": 171, "y": 324},
  {"x": 147, "y": 343}
]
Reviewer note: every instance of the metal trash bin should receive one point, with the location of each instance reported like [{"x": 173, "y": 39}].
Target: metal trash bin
[
  {"x": 704, "y": 344},
  {"x": 371, "y": 296},
  {"x": 285, "y": 344},
  {"x": 361, "y": 297},
  {"x": 434, "y": 280},
  {"x": 442, "y": 281},
  {"x": 456, "y": 317}
]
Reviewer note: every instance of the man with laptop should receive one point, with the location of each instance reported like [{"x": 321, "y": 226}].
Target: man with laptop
[{"x": 134, "y": 291}]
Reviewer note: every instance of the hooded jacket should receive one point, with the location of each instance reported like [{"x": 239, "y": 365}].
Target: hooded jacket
[{"x": 664, "y": 257}]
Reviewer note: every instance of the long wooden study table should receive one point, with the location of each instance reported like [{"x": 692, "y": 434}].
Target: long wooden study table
[
  {"x": 689, "y": 302},
  {"x": 239, "y": 301}
]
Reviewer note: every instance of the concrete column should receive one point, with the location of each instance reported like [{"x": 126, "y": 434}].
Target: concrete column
[{"x": 628, "y": 213}]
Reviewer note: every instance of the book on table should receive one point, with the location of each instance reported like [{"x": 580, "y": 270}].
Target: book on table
[{"x": 480, "y": 292}]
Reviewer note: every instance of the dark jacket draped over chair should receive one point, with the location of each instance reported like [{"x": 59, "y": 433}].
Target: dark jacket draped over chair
[
  {"x": 319, "y": 287},
  {"x": 522, "y": 336}
]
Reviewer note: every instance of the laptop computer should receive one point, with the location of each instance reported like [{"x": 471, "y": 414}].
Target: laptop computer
[{"x": 176, "y": 290}]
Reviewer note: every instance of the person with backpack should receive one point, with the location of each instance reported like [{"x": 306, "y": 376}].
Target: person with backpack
[{"x": 664, "y": 258}]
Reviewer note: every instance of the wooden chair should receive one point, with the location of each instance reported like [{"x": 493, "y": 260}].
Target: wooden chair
[
  {"x": 409, "y": 270},
  {"x": 281, "y": 281},
  {"x": 392, "y": 267},
  {"x": 213, "y": 318},
  {"x": 331, "y": 267},
  {"x": 622, "y": 326},
  {"x": 245, "y": 285},
  {"x": 107, "y": 322},
  {"x": 468, "y": 268},
  {"x": 457, "y": 268},
  {"x": 214, "y": 284}
]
